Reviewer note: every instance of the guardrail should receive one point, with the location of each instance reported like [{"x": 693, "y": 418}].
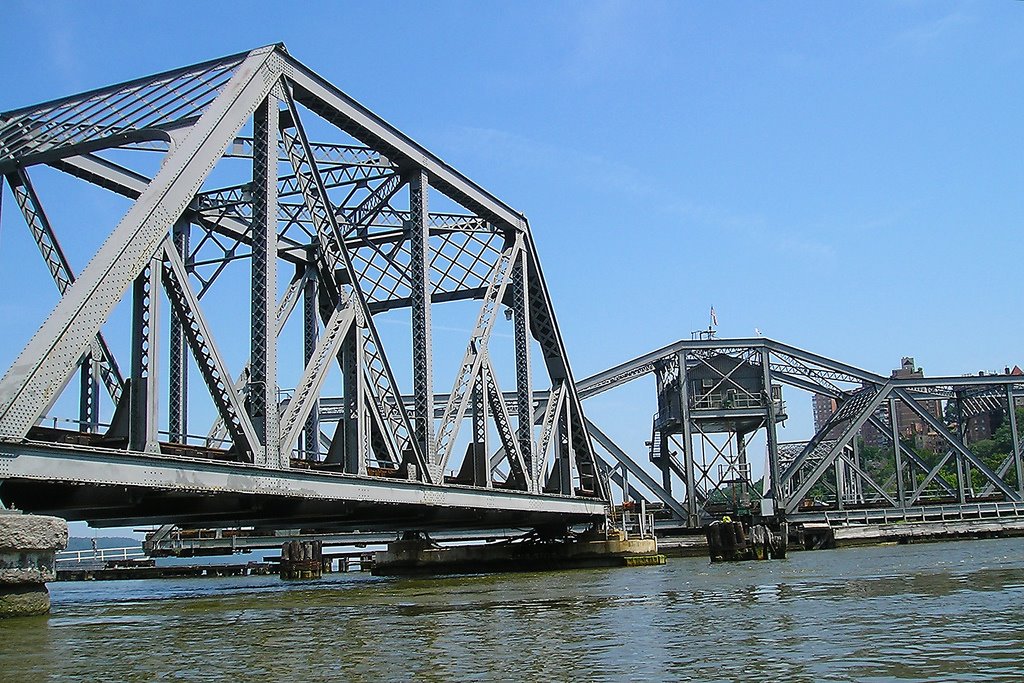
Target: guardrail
[
  {"x": 934, "y": 513},
  {"x": 101, "y": 555}
]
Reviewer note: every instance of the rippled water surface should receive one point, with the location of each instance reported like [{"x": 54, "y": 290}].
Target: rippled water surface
[{"x": 951, "y": 611}]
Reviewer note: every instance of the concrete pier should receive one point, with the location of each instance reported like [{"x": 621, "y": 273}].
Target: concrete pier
[
  {"x": 422, "y": 556},
  {"x": 923, "y": 532},
  {"x": 27, "y": 547}
]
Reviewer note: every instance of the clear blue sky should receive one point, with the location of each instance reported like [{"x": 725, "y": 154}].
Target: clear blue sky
[{"x": 847, "y": 177}]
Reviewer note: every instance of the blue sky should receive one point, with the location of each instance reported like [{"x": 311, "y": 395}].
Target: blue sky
[{"x": 846, "y": 177}]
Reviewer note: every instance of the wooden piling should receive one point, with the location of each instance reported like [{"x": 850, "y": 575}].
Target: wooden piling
[{"x": 302, "y": 560}]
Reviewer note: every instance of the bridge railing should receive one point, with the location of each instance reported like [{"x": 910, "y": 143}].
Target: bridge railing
[
  {"x": 634, "y": 522},
  {"x": 930, "y": 513},
  {"x": 204, "y": 440},
  {"x": 101, "y": 555}
]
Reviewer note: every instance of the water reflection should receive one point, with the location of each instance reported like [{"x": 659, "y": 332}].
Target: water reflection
[{"x": 937, "y": 612}]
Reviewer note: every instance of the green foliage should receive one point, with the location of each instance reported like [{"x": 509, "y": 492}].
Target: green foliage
[{"x": 994, "y": 451}]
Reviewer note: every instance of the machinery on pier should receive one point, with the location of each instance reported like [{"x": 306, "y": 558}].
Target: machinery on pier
[{"x": 710, "y": 403}]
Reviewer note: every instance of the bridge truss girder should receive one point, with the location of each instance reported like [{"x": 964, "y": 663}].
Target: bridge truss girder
[
  {"x": 334, "y": 217},
  {"x": 830, "y": 464}
]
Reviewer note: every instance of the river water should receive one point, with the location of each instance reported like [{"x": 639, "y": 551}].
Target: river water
[{"x": 944, "y": 611}]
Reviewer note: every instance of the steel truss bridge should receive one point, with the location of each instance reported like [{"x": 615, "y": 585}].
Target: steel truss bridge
[
  {"x": 714, "y": 395},
  {"x": 329, "y": 235},
  {"x": 327, "y": 232}
]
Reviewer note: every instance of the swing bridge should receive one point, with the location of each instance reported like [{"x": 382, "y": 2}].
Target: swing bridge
[
  {"x": 224, "y": 358},
  {"x": 715, "y": 396}
]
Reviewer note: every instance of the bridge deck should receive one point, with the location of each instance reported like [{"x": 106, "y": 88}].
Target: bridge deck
[{"x": 110, "y": 487}]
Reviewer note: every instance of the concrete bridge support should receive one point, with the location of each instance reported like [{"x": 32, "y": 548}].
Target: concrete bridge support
[
  {"x": 416, "y": 554},
  {"x": 27, "y": 547}
]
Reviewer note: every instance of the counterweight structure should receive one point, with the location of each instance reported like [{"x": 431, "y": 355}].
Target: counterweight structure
[{"x": 334, "y": 233}]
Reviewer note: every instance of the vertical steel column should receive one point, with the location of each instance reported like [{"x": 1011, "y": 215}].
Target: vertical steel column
[
  {"x": 1018, "y": 465},
  {"x": 961, "y": 481},
  {"x": 89, "y": 398},
  {"x": 354, "y": 419},
  {"x": 524, "y": 384},
  {"x": 659, "y": 434},
  {"x": 565, "y": 455},
  {"x": 624, "y": 475},
  {"x": 968, "y": 475},
  {"x": 263, "y": 343},
  {"x": 901, "y": 494},
  {"x": 840, "y": 471},
  {"x": 142, "y": 429},
  {"x": 310, "y": 334},
  {"x": 858, "y": 484},
  {"x": 177, "y": 399},
  {"x": 666, "y": 467},
  {"x": 422, "y": 290},
  {"x": 478, "y": 449},
  {"x": 773, "y": 438},
  {"x": 684, "y": 408},
  {"x": 742, "y": 470}
]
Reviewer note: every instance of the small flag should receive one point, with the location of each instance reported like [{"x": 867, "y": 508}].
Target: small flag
[
  {"x": 714, "y": 318},
  {"x": 757, "y": 331}
]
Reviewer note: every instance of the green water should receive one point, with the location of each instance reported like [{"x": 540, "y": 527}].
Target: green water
[{"x": 951, "y": 611}]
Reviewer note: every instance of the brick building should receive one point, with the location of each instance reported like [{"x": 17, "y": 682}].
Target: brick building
[
  {"x": 987, "y": 419},
  {"x": 911, "y": 425}
]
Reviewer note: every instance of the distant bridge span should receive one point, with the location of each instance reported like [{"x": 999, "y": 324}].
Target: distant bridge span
[{"x": 714, "y": 394}]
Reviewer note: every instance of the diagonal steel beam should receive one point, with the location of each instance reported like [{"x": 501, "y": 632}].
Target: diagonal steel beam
[
  {"x": 854, "y": 426},
  {"x": 476, "y": 349},
  {"x": 499, "y": 410},
  {"x": 60, "y": 269},
  {"x": 382, "y": 443},
  {"x": 635, "y": 470},
  {"x": 815, "y": 388},
  {"x": 544, "y": 328},
  {"x": 211, "y": 365},
  {"x": 307, "y": 390},
  {"x": 552, "y": 411},
  {"x": 930, "y": 476},
  {"x": 1003, "y": 468},
  {"x": 44, "y": 366},
  {"x": 337, "y": 259},
  {"x": 284, "y": 310},
  {"x": 868, "y": 478},
  {"x": 615, "y": 475},
  {"x": 944, "y": 432},
  {"x": 853, "y": 406}
]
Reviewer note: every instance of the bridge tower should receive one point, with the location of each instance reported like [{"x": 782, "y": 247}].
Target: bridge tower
[{"x": 711, "y": 402}]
